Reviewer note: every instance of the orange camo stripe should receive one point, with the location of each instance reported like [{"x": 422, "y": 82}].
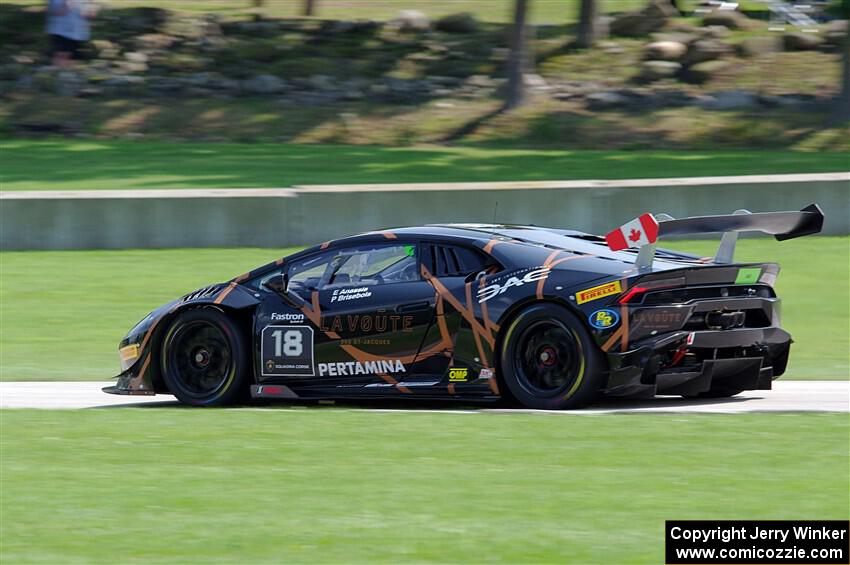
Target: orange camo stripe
[
  {"x": 451, "y": 388},
  {"x": 613, "y": 339},
  {"x": 138, "y": 381},
  {"x": 394, "y": 382},
  {"x": 491, "y": 244},
  {"x": 624, "y": 317},
  {"x": 546, "y": 263},
  {"x": 475, "y": 331},
  {"x": 464, "y": 311},
  {"x": 223, "y": 294}
]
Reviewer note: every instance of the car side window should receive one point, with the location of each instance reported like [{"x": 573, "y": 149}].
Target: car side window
[
  {"x": 454, "y": 261},
  {"x": 371, "y": 264}
]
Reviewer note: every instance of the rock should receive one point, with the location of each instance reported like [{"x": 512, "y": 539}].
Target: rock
[
  {"x": 458, "y": 23},
  {"x": 730, "y": 19},
  {"x": 412, "y": 20},
  {"x": 534, "y": 81},
  {"x": 264, "y": 84},
  {"x": 731, "y": 100},
  {"x": 706, "y": 50},
  {"x": 130, "y": 67},
  {"x": 135, "y": 57},
  {"x": 666, "y": 51},
  {"x": 716, "y": 32},
  {"x": 798, "y": 41},
  {"x": 753, "y": 46},
  {"x": 154, "y": 41},
  {"x": 611, "y": 47},
  {"x": 835, "y": 33},
  {"x": 657, "y": 70},
  {"x": 703, "y": 72},
  {"x": 652, "y": 18},
  {"x": 606, "y": 100}
]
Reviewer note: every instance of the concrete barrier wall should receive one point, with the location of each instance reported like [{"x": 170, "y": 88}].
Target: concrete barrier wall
[{"x": 312, "y": 214}]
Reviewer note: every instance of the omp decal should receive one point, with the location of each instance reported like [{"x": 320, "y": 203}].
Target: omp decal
[
  {"x": 351, "y": 368},
  {"x": 223, "y": 294},
  {"x": 600, "y": 291},
  {"x": 494, "y": 290},
  {"x": 604, "y": 319},
  {"x": 293, "y": 318},
  {"x": 748, "y": 275},
  {"x": 458, "y": 375}
]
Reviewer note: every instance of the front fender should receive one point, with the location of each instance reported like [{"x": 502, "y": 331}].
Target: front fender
[{"x": 142, "y": 376}]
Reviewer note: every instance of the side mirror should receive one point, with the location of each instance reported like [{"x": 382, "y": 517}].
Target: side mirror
[
  {"x": 277, "y": 283},
  {"x": 280, "y": 285}
]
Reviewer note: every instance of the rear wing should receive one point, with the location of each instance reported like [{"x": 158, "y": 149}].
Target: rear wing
[{"x": 644, "y": 231}]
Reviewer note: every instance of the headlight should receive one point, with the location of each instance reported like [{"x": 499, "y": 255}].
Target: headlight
[{"x": 128, "y": 355}]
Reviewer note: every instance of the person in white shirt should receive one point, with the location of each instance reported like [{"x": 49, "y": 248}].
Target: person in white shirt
[{"x": 69, "y": 28}]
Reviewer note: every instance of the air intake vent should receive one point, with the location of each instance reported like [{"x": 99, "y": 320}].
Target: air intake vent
[{"x": 202, "y": 293}]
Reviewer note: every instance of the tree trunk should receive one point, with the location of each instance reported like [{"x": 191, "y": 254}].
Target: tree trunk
[
  {"x": 587, "y": 24},
  {"x": 309, "y": 8},
  {"x": 841, "y": 115},
  {"x": 518, "y": 60}
]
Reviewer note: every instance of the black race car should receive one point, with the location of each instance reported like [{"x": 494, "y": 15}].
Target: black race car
[{"x": 551, "y": 318}]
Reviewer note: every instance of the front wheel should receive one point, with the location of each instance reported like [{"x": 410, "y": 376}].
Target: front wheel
[
  {"x": 549, "y": 361},
  {"x": 204, "y": 360}
]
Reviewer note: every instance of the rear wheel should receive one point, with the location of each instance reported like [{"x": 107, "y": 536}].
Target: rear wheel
[
  {"x": 548, "y": 360},
  {"x": 204, "y": 360}
]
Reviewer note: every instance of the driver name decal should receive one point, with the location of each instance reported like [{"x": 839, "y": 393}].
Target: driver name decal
[{"x": 342, "y": 294}]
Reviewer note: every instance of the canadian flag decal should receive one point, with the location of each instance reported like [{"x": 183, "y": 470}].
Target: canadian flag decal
[{"x": 638, "y": 232}]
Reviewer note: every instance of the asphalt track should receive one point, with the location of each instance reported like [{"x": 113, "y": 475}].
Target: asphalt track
[{"x": 786, "y": 396}]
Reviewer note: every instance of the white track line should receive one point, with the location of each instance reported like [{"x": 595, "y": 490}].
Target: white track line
[{"x": 786, "y": 396}]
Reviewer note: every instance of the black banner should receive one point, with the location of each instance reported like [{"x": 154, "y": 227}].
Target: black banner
[{"x": 693, "y": 542}]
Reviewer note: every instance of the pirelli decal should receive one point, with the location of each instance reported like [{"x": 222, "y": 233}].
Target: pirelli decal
[{"x": 600, "y": 291}]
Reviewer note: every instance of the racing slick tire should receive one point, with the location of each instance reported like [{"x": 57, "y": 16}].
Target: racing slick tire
[
  {"x": 549, "y": 361},
  {"x": 204, "y": 359}
]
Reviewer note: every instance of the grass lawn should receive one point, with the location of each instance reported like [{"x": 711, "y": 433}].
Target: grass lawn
[
  {"x": 62, "y": 313},
  {"x": 78, "y": 165},
  {"x": 333, "y": 485},
  {"x": 542, "y": 11}
]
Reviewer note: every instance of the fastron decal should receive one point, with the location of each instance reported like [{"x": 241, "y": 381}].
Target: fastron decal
[
  {"x": 350, "y": 368},
  {"x": 294, "y": 318},
  {"x": 494, "y": 290}
]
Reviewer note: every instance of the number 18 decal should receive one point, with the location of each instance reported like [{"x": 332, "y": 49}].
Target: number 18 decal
[{"x": 287, "y": 351}]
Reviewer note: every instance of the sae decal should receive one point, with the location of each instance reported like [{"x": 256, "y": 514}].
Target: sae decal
[{"x": 604, "y": 319}]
